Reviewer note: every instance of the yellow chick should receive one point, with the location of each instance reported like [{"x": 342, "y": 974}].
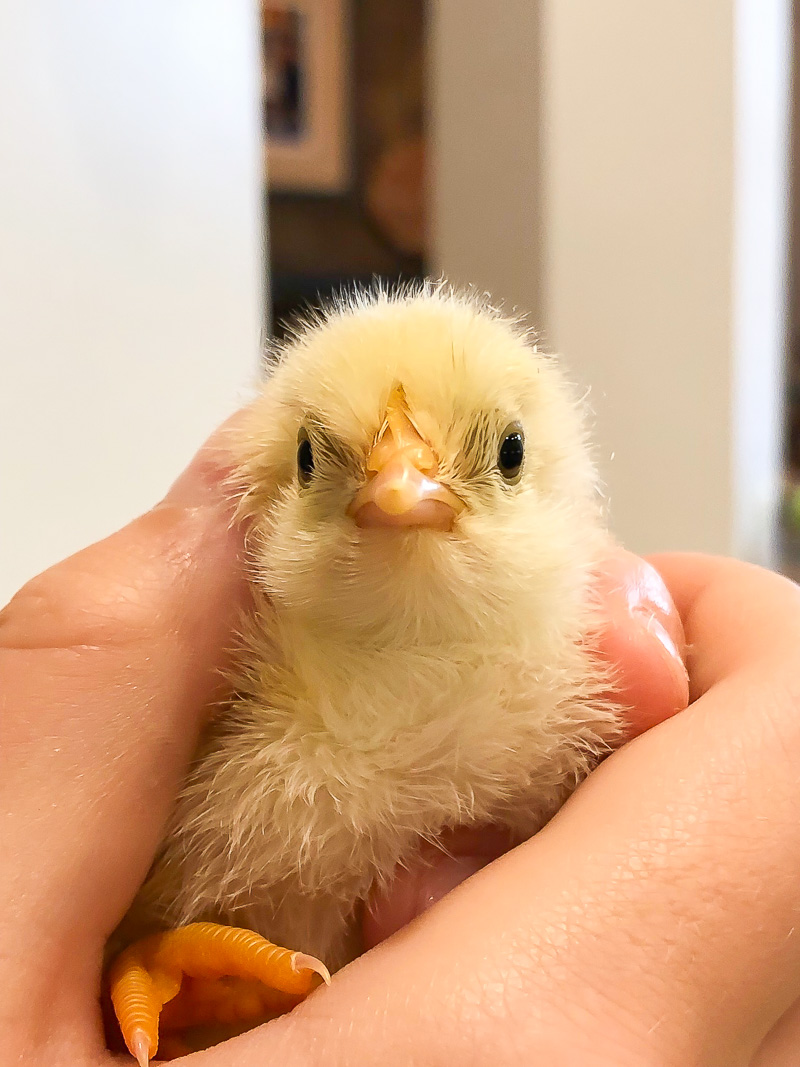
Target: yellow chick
[{"x": 424, "y": 527}]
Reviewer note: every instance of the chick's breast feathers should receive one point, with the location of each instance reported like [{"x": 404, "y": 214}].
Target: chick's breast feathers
[{"x": 403, "y": 671}]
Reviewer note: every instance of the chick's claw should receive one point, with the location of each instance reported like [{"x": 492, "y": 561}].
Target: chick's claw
[{"x": 207, "y": 974}]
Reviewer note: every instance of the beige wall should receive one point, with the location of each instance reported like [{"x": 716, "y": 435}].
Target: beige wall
[
  {"x": 639, "y": 188},
  {"x": 486, "y": 133}
]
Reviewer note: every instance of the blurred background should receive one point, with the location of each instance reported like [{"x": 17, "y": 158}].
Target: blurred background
[{"x": 179, "y": 179}]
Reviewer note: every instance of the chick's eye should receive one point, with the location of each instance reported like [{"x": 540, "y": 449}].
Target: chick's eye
[
  {"x": 512, "y": 452},
  {"x": 305, "y": 458}
]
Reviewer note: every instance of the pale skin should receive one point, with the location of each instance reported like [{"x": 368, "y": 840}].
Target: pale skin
[{"x": 652, "y": 922}]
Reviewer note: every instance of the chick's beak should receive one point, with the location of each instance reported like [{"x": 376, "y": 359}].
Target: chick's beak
[{"x": 402, "y": 489}]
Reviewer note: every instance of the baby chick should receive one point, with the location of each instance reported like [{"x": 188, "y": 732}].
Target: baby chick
[{"x": 424, "y": 527}]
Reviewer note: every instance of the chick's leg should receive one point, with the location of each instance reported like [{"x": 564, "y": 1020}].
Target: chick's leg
[{"x": 212, "y": 974}]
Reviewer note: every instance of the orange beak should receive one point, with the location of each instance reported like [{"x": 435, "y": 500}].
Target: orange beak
[{"x": 401, "y": 468}]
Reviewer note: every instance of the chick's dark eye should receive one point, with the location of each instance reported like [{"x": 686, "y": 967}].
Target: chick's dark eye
[
  {"x": 305, "y": 458},
  {"x": 512, "y": 452}
]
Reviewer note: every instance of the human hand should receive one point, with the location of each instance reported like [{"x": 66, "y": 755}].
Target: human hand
[{"x": 109, "y": 663}]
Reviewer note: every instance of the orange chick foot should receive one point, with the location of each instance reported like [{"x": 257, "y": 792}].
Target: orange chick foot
[{"x": 206, "y": 974}]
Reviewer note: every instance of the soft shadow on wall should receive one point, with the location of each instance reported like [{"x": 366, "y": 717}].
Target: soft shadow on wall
[
  {"x": 344, "y": 108},
  {"x": 791, "y": 511}
]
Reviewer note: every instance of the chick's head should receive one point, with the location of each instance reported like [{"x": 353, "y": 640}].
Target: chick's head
[{"x": 414, "y": 469}]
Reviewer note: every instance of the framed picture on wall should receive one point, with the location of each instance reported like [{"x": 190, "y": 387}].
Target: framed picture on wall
[{"x": 305, "y": 95}]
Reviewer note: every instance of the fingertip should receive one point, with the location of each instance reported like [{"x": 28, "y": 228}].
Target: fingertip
[
  {"x": 643, "y": 639},
  {"x": 435, "y": 872},
  {"x": 205, "y": 479},
  {"x": 652, "y": 684}
]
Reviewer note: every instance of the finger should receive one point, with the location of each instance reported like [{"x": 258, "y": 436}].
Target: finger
[
  {"x": 730, "y": 625},
  {"x": 642, "y": 637},
  {"x": 781, "y": 1046},
  {"x": 655, "y": 914},
  {"x": 107, "y": 662},
  {"x": 421, "y": 883}
]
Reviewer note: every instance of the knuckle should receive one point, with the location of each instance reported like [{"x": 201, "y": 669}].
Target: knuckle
[{"x": 85, "y": 601}]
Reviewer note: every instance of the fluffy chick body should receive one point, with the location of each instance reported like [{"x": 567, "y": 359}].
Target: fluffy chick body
[{"x": 393, "y": 683}]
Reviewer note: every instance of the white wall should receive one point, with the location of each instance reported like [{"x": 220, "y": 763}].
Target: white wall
[
  {"x": 130, "y": 261},
  {"x": 648, "y": 234}
]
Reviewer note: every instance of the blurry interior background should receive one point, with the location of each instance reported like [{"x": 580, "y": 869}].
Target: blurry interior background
[
  {"x": 365, "y": 217},
  {"x": 181, "y": 179}
]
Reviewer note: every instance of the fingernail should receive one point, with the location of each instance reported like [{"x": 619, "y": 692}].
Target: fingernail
[
  {"x": 643, "y": 636},
  {"x": 675, "y": 654},
  {"x": 645, "y": 587},
  {"x": 649, "y": 602},
  {"x": 657, "y": 629},
  {"x": 201, "y": 483}
]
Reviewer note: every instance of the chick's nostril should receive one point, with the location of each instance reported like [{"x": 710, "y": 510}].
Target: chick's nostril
[
  {"x": 398, "y": 436},
  {"x": 399, "y": 441}
]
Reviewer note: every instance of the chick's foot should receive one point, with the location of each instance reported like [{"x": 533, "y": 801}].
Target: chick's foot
[{"x": 204, "y": 975}]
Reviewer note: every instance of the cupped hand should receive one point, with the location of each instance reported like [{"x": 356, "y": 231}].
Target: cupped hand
[{"x": 628, "y": 924}]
